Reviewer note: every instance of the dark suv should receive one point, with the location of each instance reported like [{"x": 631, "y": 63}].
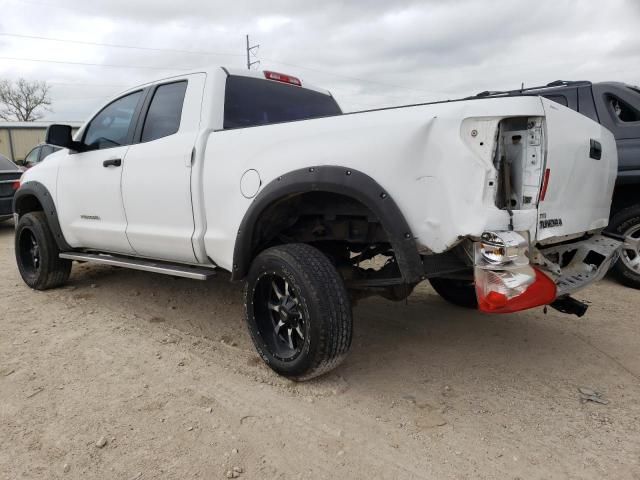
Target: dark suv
[
  {"x": 617, "y": 107},
  {"x": 10, "y": 175}
]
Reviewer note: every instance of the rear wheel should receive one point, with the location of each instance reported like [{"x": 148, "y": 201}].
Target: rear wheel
[
  {"x": 458, "y": 292},
  {"x": 37, "y": 254},
  {"x": 627, "y": 268},
  {"x": 298, "y": 311}
]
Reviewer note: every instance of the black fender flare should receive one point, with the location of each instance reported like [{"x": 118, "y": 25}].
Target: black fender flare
[
  {"x": 340, "y": 180},
  {"x": 41, "y": 193}
]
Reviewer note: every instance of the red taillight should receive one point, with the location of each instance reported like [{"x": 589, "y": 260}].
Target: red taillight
[
  {"x": 281, "y": 77},
  {"x": 545, "y": 184},
  {"x": 542, "y": 291},
  {"x": 16, "y": 185}
]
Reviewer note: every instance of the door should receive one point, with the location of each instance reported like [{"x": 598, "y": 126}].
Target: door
[
  {"x": 156, "y": 183},
  {"x": 89, "y": 191}
]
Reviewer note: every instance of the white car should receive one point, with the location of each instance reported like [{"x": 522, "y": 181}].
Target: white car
[{"x": 500, "y": 203}]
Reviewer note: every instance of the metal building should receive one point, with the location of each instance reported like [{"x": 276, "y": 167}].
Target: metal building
[{"x": 18, "y": 138}]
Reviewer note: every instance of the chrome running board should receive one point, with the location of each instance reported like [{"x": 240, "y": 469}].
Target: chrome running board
[{"x": 155, "y": 266}]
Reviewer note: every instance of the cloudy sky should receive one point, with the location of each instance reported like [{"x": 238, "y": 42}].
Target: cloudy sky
[{"x": 369, "y": 53}]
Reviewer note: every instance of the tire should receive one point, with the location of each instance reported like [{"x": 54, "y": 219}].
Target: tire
[
  {"x": 37, "y": 254},
  {"x": 298, "y": 311},
  {"x": 458, "y": 292},
  {"x": 627, "y": 223}
]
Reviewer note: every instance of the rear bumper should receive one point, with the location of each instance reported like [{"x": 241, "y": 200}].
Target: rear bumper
[{"x": 589, "y": 262}]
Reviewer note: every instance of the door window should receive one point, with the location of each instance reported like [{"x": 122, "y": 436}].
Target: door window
[
  {"x": 622, "y": 111},
  {"x": 46, "y": 150},
  {"x": 165, "y": 111},
  {"x": 110, "y": 127}
]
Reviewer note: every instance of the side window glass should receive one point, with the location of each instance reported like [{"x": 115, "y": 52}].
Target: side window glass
[
  {"x": 110, "y": 127},
  {"x": 622, "y": 111},
  {"x": 32, "y": 157},
  {"x": 561, "y": 99},
  {"x": 45, "y": 151},
  {"x": 165, "y": 110}
]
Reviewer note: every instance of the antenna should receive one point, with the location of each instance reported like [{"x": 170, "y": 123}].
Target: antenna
[{"x": 251, "y": 51}]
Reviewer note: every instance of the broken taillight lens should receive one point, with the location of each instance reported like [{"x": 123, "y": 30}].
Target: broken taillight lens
[{"x": 505, "y": 291}]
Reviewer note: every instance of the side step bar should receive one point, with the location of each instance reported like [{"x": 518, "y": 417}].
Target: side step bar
[{"x": 166, "y": 268}]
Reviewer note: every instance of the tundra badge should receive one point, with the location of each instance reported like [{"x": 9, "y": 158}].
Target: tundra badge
[{"x": 550, "y": 222}]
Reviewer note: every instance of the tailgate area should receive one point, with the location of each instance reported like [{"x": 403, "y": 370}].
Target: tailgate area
[{"x": 580, "y": 173}]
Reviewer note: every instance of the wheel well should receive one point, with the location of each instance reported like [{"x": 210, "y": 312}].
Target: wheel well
[
  {"x": 346, "y": 230},
  {"x": 343, "y": 228},
  {"x": 326, "y": 205},
  {"x": 34, "y": 196},
  {"x": 325, "y": 219},
  {"x": 28, "y": 203}
]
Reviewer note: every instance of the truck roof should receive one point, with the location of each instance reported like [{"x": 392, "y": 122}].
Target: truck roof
[
  {"x": 552, "y": 86},
  {"x": 260, "y": 74}
]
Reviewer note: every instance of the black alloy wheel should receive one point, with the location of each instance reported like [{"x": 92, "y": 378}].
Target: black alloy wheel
[{"x": 279, "y": 317}]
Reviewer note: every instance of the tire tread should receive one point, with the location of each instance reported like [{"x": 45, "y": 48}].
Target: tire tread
[
  {"x": 55, "y": 271},
  {"x": 328, "y": 291}
]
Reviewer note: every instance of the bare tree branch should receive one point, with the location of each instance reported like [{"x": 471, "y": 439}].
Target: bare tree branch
[{"x": 23, "y": 101}]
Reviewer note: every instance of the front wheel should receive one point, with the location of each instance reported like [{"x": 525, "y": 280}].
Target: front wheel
[
  {"x": 37, "y": 253},
  {"x": 627, "y": 268},
  {"x": 298, "y": 311}
]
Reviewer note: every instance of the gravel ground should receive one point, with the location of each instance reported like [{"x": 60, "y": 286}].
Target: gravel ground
[{"x": 130, "y": 375}]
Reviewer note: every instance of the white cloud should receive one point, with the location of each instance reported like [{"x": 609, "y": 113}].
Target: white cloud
[
  {"x": 272, "y": 23},
  {"x": 372, "y": 53}
]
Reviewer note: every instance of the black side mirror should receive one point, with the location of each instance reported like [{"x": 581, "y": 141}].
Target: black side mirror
[
  {"x": 20, "y": 163},
  {"x": 60, "y": 135}
]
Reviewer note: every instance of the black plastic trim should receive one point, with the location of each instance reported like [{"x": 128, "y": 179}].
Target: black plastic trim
[
  {"x": 40, "y": 192},
  {"x": 332, "y": 179}
]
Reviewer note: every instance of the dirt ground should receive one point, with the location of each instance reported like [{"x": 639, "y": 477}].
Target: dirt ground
[{"x": 164, "y": 372}]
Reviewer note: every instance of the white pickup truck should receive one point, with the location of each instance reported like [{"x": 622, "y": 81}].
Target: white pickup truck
[{"x": 500, "y": 203}]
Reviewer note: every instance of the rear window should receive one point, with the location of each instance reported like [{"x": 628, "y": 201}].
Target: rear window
[
  {"x": 6, "y": 164},
  {"x": 561, "y": 99},
  {"x": 252, "y": 101}
]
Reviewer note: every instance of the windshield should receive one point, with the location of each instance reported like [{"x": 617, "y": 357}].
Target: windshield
[{"x": 254, "y": 101}]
